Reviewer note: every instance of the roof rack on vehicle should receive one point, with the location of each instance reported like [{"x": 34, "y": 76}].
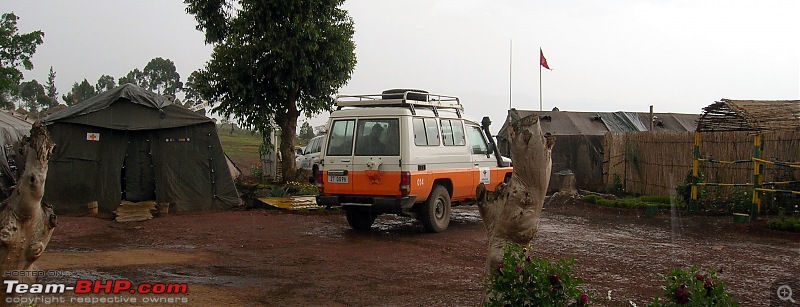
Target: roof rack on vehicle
[{"x": 410, "y": 99}]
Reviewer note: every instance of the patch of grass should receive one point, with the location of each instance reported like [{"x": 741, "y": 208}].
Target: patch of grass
[
  {"x": 640, "y": 202},
  {"x": 241, "y": 145},
  {"x": 791, "y": 224}
]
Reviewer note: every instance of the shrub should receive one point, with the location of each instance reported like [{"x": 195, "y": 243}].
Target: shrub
[
  {"x": 785, "y": 224},
  {"x": 631, "y": 202},
  {"x": 690, "y": 287},
  {"x": 297, "y": 188},
  {"x": 525, "y": 280},
  {"x": 592, "y": 199}
]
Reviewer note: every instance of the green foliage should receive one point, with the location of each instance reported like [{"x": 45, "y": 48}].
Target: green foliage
[
  {"x": 79, "y": 92},
  {"x": 526, "y": 280},
  {"x": 306, "y": 133},
  {"x": 684, "y": 189},
  {"x": 640, "y": 202},
  {"x": 52, "y": 92},
  {"x": 105, "y": 83},
  {"x": 273, "y": 60},
  {"x": 162, "y": 77},
  {"x": 191, "y": 95},
  {"x": 298, "y": 188},
  {"x": 690, "y": 287},
  {"x": 616, "y": 185},
  {"x": 775, "y": 203},
  {"x": 16, "y": 51},
  {"x": 32, "y": 93},
  {"x": 784, "y": 223},
  {"x": 134, "y": 76},
  {"x": 279, "y": 191},
  {"x": 258, "y": 172},
  {"x": 723, "y": 200}
]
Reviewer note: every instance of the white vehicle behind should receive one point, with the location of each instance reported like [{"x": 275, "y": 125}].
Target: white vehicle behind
[{"x": 309, "y": 160}]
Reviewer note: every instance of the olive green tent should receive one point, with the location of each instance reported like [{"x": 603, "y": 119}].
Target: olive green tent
[
  {"x": 131, "y": 144},
  {"x": 12, "y": 130}
]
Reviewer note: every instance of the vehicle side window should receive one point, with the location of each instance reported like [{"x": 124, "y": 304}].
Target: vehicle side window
[
  {"x": 452, "y": 132},
  {"x": 341, "y": 138},
  {"x": 378, "y": 137},
  {"x": 426, "y": 132},
  {"x": 477, "y": 141},
  {"x": 315, "y": 145},
  {"x": 432, "y": 130}
]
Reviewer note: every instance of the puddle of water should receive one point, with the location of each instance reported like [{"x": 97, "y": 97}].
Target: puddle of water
[{"x": 291, "y": 202}]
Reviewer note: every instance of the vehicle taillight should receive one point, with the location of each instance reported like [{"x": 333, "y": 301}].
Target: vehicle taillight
[
  {"x": 405, "y": 183},
  {"x": 320, "y": 186}
]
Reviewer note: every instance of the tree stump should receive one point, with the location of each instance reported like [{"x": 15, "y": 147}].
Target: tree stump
[
  {"x": 511, "y": 212},
  {"x": 27, "y": 223}
]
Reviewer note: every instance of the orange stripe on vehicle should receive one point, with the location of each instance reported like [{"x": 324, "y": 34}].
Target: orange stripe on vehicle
[{"x": 387, "y": 183}]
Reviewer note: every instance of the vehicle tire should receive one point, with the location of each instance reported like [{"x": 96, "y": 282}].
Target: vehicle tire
[
  {"x": 397, "y": 93},
  {"x": 435, "y": 212},
  {"x": 360, "y": 219}
]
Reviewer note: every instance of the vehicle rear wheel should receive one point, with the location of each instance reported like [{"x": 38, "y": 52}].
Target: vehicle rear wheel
[
  {"x": 360, "y": 219},
  {"x": 435, "y": 212}
]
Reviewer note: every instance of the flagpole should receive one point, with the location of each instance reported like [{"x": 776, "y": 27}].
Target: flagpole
[
  {"x": 540, "y": 79},
  {"x": 510, "y": 59}
]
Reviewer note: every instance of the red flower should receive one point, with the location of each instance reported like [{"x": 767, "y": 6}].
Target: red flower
[
  {"x": 708, "y": 285},
  {"x": 518, "y": 268},
  {"x": 682, "y": 295},
  {"x": 699, "y": 277},
  {"x": 555, "y": 280},
  {"x": 583, "y": 299},
  {"x": 500, "y": 268}
]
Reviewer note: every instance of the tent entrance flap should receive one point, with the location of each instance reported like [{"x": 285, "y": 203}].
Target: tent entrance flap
[{"x": 138, "y": 175}]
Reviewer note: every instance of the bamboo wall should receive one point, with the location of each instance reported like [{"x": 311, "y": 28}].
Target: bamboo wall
[{"x": 653, "y": 163}]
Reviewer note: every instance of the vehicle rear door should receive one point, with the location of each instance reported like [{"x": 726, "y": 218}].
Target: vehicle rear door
[
  {"x": 338, "y": 160},
  {"x": 376, "y": 159}
]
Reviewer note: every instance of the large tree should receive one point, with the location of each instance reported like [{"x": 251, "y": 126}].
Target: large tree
[
  {"x": 16, "y": 51},
  {"x": 105, "y": 83},
  {"x": 135, "y": 76},
  {"x": 52, "y": 92},
  {"x": 191, "y": 96},
  {"x": 306, "y": 133},
  {"x": 33, "y": 96},
  {"x": 273, "y": 60},
  {"x": 80, "y": 92},
  {"x": 162, "y": 77}
]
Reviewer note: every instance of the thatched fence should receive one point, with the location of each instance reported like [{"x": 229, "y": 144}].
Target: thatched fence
[{"x": 653, "y": 163}]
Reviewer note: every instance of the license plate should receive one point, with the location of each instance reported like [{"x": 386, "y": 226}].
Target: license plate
[{"x": 337, "y": 179}]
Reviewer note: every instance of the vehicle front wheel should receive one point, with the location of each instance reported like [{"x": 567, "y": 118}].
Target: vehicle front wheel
[
  {"x": 360, "y": 219},
  {"x": 435, "y": 212}
]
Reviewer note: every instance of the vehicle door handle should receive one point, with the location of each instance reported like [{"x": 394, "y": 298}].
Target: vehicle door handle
[
  {"x": 476, "y": 164},
  {"x": 345, "y": 160}
]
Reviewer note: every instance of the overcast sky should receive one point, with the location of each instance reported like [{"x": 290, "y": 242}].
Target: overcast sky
[{"x": 621, "y": 55}]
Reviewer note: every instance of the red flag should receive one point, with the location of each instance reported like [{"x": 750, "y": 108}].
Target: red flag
[{"x": 542, "y": 60}]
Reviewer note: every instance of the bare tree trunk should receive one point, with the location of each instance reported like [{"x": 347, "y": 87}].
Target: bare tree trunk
[
  {"x": 511, "y": 212},
  {"x": 26, "y": 223}
]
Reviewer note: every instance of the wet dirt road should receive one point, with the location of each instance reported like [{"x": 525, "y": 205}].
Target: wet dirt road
[{"x": 278, "y": 258}]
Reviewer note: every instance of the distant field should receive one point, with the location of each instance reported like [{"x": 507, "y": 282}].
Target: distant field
[{"x": 241, "y": 146}]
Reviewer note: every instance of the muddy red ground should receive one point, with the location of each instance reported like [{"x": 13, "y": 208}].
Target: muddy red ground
[{"x": 278, "y": 258}]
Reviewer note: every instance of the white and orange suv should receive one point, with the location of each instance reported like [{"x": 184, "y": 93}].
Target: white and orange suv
[{"x": 405, "y": 152}]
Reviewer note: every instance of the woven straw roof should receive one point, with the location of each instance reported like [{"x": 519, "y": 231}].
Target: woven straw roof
[{"x": 750, "y": 115}]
